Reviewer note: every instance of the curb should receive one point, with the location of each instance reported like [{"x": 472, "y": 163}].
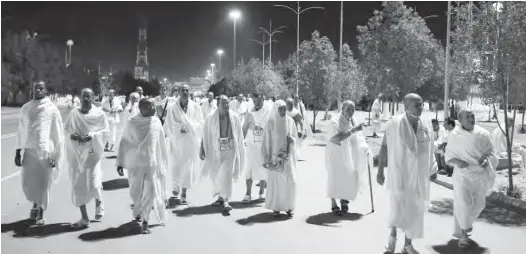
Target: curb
[{"x": 499, "y": 199}]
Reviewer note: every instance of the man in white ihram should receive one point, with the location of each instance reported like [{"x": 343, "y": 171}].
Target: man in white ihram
[
  {"x": 408, "y": 149},
  {"x": 209, "y": 105},
  {"x": 347, "y": 156},
  {"x": 376, "y": 111},
  {"x": 143, "y": 152},
  {"x": 183, "y": 127},
  {"x": 86, "y": 128},
  {"x": 471, "y": 151},
  {"x": 223, "y": 151},
  {"x": 240, "y": 106},
  {"x": 253, "y": 130},
  {"x": 113, "y": 107},
  {"x": 40, "y": 135},
  {"x": 501, "y": 145}
]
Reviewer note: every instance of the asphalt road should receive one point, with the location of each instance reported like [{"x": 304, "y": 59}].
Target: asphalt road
[{"x": 200, "y": 228}]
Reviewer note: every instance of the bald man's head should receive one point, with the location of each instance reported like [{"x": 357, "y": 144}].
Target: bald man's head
[
  {"x": 223, "y": 104},
  {"x": 348, "y": 108},
  {"x": 414, "y": 105},
  {"x": 184, "y": 91},
  {"x": 466, "y": 117},
  {"x": 147, "y": 107},
  {"x": 86, "y": 97},
  {"x": 290, "y": 103}
]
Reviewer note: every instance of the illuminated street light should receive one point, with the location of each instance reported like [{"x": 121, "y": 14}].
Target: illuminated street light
[
  {"x": 235, "y": 15},
  {"x": 70, "y": 44},
  {"x": 213, "y": 73}
]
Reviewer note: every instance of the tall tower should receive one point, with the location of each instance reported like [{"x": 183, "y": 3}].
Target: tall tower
[{"x": 141, "y": 64}]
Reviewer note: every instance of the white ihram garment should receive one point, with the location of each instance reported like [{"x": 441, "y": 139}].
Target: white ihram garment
[
  {"x": 207, "y": 107},
  {"x": 376, "y": 116},
  {"x": 411, "y": 162},
  {"x": 282, "y": 157},
  {"x": 471, "y": 184},
  {"x": 113, "y": 118},
  {"x": 143, "y": 152},
  {"x": 254, "y": 166},
  {"x": 240, "y": 108},
  {"x": 40, "y": 135},
  {"x": 223, "y": 163},
  {"x": 185, "y": 163},
  {"x": 501, "y": 146},
  {"x": 85, "y": 158},
  {"x": 346, "y": 163}
]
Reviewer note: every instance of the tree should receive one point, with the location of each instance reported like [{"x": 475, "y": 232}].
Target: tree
[
  {"x": 256, "y": 77},
  {"x": 398, "y": 50},
  {"x": 498, "y": 31},
  {"x": 317, "y": 64}
]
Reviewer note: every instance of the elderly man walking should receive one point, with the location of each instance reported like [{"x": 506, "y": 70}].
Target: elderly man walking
[
  {"x": 408, "y": 149},
  {"x": 144, "y": 153},
  {"x": 471, "y": 151},
  {"x": 347, "y": 156},
  {"x": 113, "y": 107},
  {"x": 40, "y": 135},
  {"x": 86, "y": 128}
]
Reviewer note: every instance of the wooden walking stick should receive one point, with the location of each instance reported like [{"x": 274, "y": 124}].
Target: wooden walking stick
[{"x": 370, "y": 187}]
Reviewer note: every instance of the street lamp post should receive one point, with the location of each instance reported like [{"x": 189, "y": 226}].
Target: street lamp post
[
  {"x": 213, "y": 73},
  {"x": 341, "y": 54},
  {"x": 298, "y": 13},
  {"x": 446, "y": 81},
  {"x": 70, "y": 44},
  {"x": 235, "y": 15},
  {"x": 219, "y": 54},
  {"x": 263, "y": 44},
  {"x": 271, "y": 33}
]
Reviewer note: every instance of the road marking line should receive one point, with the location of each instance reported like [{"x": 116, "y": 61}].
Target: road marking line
[
  {"x": 9, "y": 135},
  {"x": 11, "y": 176}
]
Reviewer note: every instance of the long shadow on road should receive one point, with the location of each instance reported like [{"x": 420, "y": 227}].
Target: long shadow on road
[
  {"x": 27, "y": 228},
  {"x": 491, "y": 214},
  {"x": 124, "y": 230},
  {"x": 115, "y": 184},
  {"x": 265, "y": 217},
  {"x": 451, "y": 247},
  {"x": 210, "y": 209},
  {"x": 326, "y": 219}
]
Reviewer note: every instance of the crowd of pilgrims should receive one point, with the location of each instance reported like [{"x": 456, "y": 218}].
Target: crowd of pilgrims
[{"x": 171, "y": 142}]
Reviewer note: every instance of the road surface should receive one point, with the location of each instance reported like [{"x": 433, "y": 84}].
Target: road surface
[{"x": 200, "y": 228}]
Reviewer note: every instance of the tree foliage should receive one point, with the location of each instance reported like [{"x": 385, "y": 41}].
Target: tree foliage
[
  {"x": 399, "y": 51},
  {"x": 256, "y": 77}
]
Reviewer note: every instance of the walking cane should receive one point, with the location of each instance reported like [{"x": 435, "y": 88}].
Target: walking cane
[{"x": 370, "y": 187}]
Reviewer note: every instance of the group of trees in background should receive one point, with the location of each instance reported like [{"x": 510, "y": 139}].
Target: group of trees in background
[{"x": 26, "y": 59}]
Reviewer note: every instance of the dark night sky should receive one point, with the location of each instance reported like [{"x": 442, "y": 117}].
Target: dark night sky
[{"x": 183, "y": 36}]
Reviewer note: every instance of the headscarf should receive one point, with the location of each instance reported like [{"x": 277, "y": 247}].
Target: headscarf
[{"x": 276, "y": 134}]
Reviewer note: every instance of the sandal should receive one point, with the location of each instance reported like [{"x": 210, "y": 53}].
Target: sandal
[
  {"x": 184, "y": 201},
  {"x": 247, "y": 199},
  {"x": 262, "y": 197},
  {"x": 33, "y": 214},
  {"x": 463, "y": 243},
  {"x": 336, "y": 210},
  {"x": 275, "y": 214},
  {"x": 391, "y": 245},
  {"x": 218, "y": 203},
  {"x": 345, "y": 205},
  {"x": 40, "y": 221},
  {"x": 175, "y": 192},
  {"x": 145, "y": 229},
  {"x": 409, "y": 249},
  {"x": 81, "y": 224},
  {"x": 227, "y": 208},
  {"x": 99, "y": 212},
  {"x": 290, "y": 213}
]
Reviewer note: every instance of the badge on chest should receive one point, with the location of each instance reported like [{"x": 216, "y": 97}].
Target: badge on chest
[
  {"x": 224, "y": 144},
  {"x": 258, "y": 132}
]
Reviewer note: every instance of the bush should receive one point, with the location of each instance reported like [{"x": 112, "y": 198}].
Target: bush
[{"x": 516, "y": 193}]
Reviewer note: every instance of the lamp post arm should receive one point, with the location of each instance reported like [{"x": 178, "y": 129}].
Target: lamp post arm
[
  {"x": 284, "y": 6},
  {"x": 310, "y": 8}
]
